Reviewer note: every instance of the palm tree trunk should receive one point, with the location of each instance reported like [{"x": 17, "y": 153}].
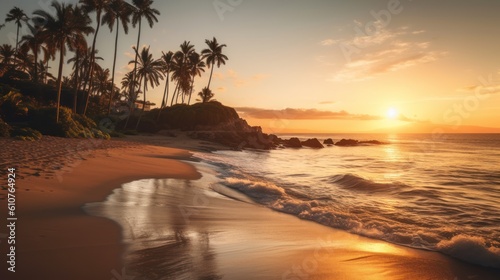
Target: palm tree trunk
[
  {"x": 17, "y": 43},
  {"x": 177, "y": 97},
  {"x": 173, "y": 95},
  {"x": 211, "y": 72},
  {"x": 191, "y": 92},
  {"x": 75, "y": 94},
  {"x": 134, "y": 76},
  {"x": 113, "y": 71},
  {"x": 35, "y": 73},
  {"x": 92, "y": 61},
  {"x": 143, "y": 105},
  {"x": 59, "y": 79},
  {"x": 46, "y": 71},
  {"x": 165, "y": 97},
  {"x": 132, "y": 89}
]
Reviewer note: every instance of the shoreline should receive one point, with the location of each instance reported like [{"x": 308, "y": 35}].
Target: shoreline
[
  {"x": 58, "y": 240},
  {"x": 55, "y": 237}
]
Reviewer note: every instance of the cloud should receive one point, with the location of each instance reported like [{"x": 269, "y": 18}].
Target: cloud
[
  {"x": 221, "y": 89},
  {"x": 302, "y": 114},
  {"x": 238, "y": 81},
  {"x": 328, "y": 42},
  {"x": 259, "y": 77},
  {"x": 381, "y": 52},
  {"x": 326, "y": 102},
  {"x": 404, "y": 118},
  {"x": 487, "y": 85}
]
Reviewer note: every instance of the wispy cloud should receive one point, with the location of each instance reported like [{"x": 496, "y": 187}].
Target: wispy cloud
[
  {"x": 381, "y": 52},
  {"x": 328, "y": 42},
  {"x": 233, "y": 77},
  {"x": 302, "y": 114},
  {"x": 326, "y": 102},
  {"x": 481, "y": 89}
]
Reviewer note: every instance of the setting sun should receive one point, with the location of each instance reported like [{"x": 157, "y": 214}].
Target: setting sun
[{"x": 392, "y": 113}]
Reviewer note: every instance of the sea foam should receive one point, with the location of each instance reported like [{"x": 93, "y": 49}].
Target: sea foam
[{"x": 471, "y": 249}]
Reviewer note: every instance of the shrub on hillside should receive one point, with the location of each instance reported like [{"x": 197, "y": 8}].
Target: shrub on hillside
[
  {"x": 182, "y": 116},
  {"x": 26, "y": 134},
  {"x": 13, "y": 107},
  {"x": 4, "y": 129},
  {"x": 146, "y": 125},
  {"x": 70, "y": 125}
]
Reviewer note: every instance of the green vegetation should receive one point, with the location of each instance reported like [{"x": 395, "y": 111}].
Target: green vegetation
[
  {"x": 4, "y": 129},
  {"x": 33, "y": 100},
  {"x": 189, "y": 117},
  {"x": 70, "y": 125},
  {"x": 26, "y": 134}
]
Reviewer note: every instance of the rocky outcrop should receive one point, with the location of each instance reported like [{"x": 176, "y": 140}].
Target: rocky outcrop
[
  {"x": 237, "y": 139},
  {"x": 328, "y": 141},
  {"x": 371, "y": 142},
  {"x": 352, "y": 142},
  {"x": 347, "y": 142},
  {"x": 199, "y": 116},
  {"x": 312, "y": 143},
  {"x": 293, "y": 142}
]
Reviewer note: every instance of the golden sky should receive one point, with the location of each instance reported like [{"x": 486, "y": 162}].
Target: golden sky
[{"x": 336, "y": 66}]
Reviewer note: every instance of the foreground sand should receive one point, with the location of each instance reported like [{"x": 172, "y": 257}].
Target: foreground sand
[{"x": 199, "y": 233}]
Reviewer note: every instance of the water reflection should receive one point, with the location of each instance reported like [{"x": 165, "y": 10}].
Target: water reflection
[{"x": 160, "y": 242}]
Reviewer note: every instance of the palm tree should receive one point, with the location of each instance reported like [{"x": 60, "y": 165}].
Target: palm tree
[
  {"x": 167, "y": 60},
  {"x": 196, "y": 67},
  {"x": 142, "y": 10},
  {"x": 44, "y": 71},
  {"x": 6, "y": 54},
  {"x": 89, "y": 6},
  {"x": 206, "y": 95},
  {"x": 61, "y": 30},
  {"x": 181, "y": 69},
  {"x": 34, "y": 43},
  {"x": 213, "y": 55},
  {"x": 17, "y": 15},
  {"x": 103, "y": 82},
  {"x": 118, "y": 11},
  {"x": 49, "y": 53},
  {"x": 25, "y": 62},
  {"x": 148, "y": 70},
  {"x": 127, "y": 83},
  {"x": 79, "y": 47}
]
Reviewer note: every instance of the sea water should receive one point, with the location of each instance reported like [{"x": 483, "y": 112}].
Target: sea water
[{"x": 417, "y": 190}]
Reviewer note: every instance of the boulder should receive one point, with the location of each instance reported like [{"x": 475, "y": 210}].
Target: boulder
[
  {"x": 328, "y": 141},
  {"x": 312, "y": 143},
  {"x": 371, "y": 142},
  {"x": 293, "y": 142},
  {"x": 347, "y": 142}
]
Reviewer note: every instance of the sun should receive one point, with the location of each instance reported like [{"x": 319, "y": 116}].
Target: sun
[{"x": 392, "y": 113}]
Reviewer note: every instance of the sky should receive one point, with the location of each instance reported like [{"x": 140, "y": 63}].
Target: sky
[{"x": 333, "y": 66}]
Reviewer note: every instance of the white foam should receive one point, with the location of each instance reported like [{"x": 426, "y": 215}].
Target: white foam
[{"x": 471, "y": 249}]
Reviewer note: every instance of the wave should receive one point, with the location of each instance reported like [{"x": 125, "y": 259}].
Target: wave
[
  {"x": 471, "y": 249},
  {"x": 357, "y": 183}
]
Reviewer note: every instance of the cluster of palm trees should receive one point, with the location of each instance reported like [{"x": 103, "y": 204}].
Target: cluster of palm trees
[{"x": 53, "y": 34}]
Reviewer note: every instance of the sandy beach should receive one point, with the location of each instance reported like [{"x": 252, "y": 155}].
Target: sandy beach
[{"x": 199, "y": 234}]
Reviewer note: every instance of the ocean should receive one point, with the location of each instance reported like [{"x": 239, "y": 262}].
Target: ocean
[
  {"x": 432, "y": 192},
  {"x": 437, "y": 194}
]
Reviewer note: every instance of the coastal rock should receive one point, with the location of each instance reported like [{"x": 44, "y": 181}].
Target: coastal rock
[
  {"x": 236, "y": 139},
  {"x": 328, "y": 141},
  {"x": 347, "y": 142},
  {"x": 293, "y": 142},
  {"x": 372, "y": 142},
  {"x": 312, "y": 143}
]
